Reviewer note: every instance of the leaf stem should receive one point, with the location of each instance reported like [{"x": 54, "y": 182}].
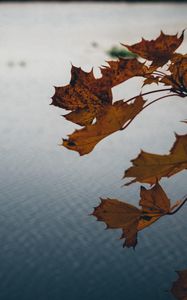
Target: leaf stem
[
  {"x": 147, "y": 93},
  {"x": 160, "y": 72},
  {"x": 177, "y": 209},
  {"x": 166, "y": 96}
]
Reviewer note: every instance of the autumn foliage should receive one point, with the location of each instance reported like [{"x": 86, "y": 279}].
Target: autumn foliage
[
  {"x": 116, "y": 214},
  {"x": 90, "y": 104},
  {"x": 149, "y": 168}
]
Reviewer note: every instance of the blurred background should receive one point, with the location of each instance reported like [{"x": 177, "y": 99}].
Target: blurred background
[{"x": 51, "y": 249}]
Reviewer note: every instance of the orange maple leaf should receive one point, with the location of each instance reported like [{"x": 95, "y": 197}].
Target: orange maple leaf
[
  {"x": 111, "y": 119},
  {"x": 117, "y": 214},
  {"x": 149, "y": 167}
]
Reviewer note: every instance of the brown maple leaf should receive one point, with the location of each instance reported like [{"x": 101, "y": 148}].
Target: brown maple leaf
[
  {"x": 159, "y": 51},
  {"x": 82, "y": 91},
  {"x": 179, "y": 287},
  {"x": 121, "y": 70},
  {"x": 86, "y": 95},
  {"x": 149, "y": 167},
  {"x": 111, "y": 119},
  {"x": 120, "y": 215}
]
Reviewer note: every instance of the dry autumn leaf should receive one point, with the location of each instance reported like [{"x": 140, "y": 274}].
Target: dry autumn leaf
[
  {"x": 89, "y": 98},
  {"x": 179, "y": 287},
  {"x": 111, "y": 119},
  {"x": 149, "y": 168},
  {"x": 122, "y": 70},
  {"x": 159, "y": 51},
  {"x": 120, "y": 215},
  {"x": 90, "y": 102},
  {"x": 86, "y": 95}
]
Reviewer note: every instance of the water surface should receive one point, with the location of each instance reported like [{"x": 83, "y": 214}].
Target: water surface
[{"x": 50, "y": 247}]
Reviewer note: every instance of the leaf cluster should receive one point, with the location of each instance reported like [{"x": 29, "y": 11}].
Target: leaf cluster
[{"x": 90, "y": 104}]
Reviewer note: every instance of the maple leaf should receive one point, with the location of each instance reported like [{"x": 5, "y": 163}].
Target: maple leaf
[
  {"x": 90, "y": 101},
  {"x": 122, "y": 70},
  {"x": 89, "y": 98},
  {"x": 82, "y": 91},
  {"x": 82, "y": 117},
  {"x": 86, "y": 95},
  {"x": 178, "y": 74},
  {"x": 149, "y": 167},
  {"x": 159, "y": 51},
  {"x": 179, "y": 287},
  {"x": 111, "y": 119},
  {"x": 120, "y": 215}
]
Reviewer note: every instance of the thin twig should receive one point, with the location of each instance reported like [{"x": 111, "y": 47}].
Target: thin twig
[
  {"x": 161, "y": 73},
  {"x": 147, "y": 93},
  {"x": 166, "y": 96},
  {"x": 177, "y": 209},
  {"x": 158, "y": 74}
]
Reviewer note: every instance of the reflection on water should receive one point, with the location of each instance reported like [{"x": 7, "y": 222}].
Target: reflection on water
[{"x": 50, "y": 247}]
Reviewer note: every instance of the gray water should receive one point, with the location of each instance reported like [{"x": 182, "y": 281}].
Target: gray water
[{"x": 50, "y": 247}]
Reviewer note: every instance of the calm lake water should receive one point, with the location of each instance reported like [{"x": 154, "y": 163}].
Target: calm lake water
[{"x": 50, "y": 248}]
